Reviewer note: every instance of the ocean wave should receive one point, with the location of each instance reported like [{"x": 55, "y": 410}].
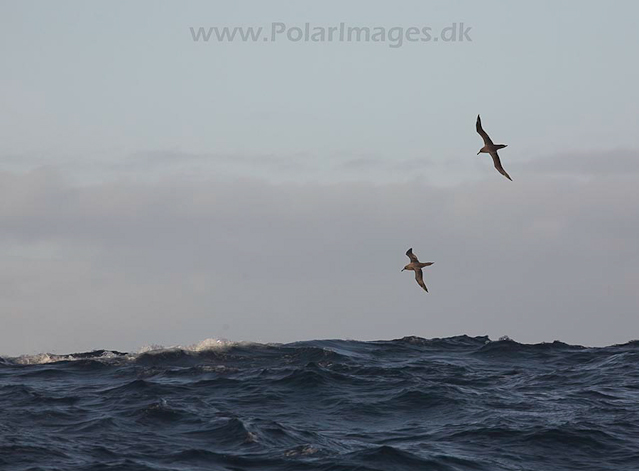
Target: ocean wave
[
  {"x": 459, "y": 403},
  {"x": 308, "y": 351}
]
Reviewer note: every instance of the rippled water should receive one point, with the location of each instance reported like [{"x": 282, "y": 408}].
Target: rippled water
[{"x": 459, "y": 403}]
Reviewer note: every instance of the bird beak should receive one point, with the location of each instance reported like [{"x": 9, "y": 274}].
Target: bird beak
[
  {"x": 477, "y": 153},
  {"x": 403, "y": 269}
]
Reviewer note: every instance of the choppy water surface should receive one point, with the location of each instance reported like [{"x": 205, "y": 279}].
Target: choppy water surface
[{"x": 459, "y": 403}]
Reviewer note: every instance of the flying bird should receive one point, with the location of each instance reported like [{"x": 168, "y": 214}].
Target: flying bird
[
  {"x": 490, "y": 148},
  {"x": 417, "y": 266}
]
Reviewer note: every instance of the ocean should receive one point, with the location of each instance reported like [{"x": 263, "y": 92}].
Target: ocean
[{"x": 452, "y": 404}]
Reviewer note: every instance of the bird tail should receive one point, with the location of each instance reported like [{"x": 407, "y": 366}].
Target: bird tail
[
  {"x": 500, "y": 146},
  {"x": 426, "y": 264}
]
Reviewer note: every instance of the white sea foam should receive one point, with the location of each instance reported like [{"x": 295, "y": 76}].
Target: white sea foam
[
  {"x": 201, "y": 346},
  {"x": 38, "y": 359},
  {"x": 45, "y": 358},
  {"x": 215, "y": 344}
]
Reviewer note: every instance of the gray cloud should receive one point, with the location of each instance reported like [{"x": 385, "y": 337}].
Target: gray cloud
[
  {"x": 616, "y": 162},
  {"x": 385, "y": 166},
  {"x": 362, "y": 163},
  {"x": 173, "y": 157},
  {"x": 122, "y": 264}
]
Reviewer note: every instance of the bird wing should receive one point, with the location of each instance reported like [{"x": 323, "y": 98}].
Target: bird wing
[
  {"x": 419, "y": 277},
  {"x": 482, "y": 133},
  {"x": 412, "y": 256},
  {"x": 498, "y": 166}
]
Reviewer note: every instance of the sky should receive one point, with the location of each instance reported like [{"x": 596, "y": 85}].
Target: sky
[{"x": 155, "y": 189}]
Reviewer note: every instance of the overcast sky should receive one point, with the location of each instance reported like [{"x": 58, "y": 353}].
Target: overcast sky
[{"x": 160, "y": 190}]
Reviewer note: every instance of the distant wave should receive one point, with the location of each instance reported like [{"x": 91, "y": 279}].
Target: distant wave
[{"x": 483, "y": 344}]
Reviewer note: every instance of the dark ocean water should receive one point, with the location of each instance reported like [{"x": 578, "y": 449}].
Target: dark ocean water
[{"x": 459, "y": 403}]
